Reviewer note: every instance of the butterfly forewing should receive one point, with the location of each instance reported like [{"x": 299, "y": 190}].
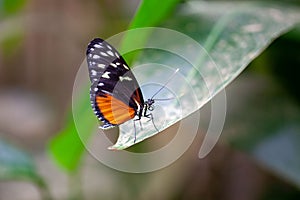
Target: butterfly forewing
[{"x": 115, "y": 93}]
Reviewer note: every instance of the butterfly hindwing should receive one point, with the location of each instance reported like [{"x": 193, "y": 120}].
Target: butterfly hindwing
[{"x": 115, "y": 93}]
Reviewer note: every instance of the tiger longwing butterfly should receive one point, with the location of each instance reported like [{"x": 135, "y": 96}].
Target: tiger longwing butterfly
[{"x": 115, "y": 93}]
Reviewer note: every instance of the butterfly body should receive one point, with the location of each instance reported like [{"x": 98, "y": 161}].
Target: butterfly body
[{"x": 115, "y": 93}]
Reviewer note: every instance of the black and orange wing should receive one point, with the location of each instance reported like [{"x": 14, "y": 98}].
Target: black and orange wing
[{"x": 115, "y": 93}]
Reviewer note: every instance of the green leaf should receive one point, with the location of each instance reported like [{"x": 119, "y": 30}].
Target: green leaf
[
  {"x": 67, "y": 148},
  {"x": 239, "y": 33},
  {"x": 150, "y": 13}
]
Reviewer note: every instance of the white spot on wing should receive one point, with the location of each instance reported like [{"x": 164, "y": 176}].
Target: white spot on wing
[
  {"x": 96, "y": 56},
  {"x": 94, "y": 73},
  {"x": 100, "y": 84},
  {"x": 95, "y": 89},
  {"x": 97, "y": 46},
  {"x": 109, "y": 47},
  {"x": 106, "y": 75},
  {"x": 125, "y": 66},
  {"x": 110, "y": 53},
  {"x": 103, "y": 54},
  {"x": 125, "y": 78},
  {"x": 138, "y": 105},
  {"x": 117, "y": 55},
  {"x": 113, "y": 65},
  {"x": 101, "y": 65}
]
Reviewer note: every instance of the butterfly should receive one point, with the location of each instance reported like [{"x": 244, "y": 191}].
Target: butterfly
[{"x": 115, "y": 94}]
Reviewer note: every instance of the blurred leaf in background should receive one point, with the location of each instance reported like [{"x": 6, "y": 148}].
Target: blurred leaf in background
[
  {"x": 10, "y": 43},
  {"x": 67, "y": 148},
  {"x": 15, "y": 164},
  {"x": 149, "y": 14},
  {"x": 270, "y": 130},
  {"x": 9, "y": 7}
]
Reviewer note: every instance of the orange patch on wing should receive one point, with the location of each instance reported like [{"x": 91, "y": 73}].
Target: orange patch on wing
[{"x": 114, "y": 110}]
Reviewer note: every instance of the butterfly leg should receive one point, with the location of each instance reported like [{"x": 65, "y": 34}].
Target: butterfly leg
[
  {"x": 151, "y": 118},
  {"x": 141, "y": 125},
  {"x": 139, "y": 119},
  {"x": 134, "y": 131}
]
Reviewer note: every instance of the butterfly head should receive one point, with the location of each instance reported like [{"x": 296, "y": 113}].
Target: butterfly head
[{"x": 149, "y": 104}]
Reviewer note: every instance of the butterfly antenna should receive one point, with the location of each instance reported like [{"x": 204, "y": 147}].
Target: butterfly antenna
[
  {"x": 166, "y": 99},
  {"x": 165, "y": 83}
]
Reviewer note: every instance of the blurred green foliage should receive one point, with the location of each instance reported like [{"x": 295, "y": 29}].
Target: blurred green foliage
[
  {"x": 9, "y": 7},
  {"x": 11, "y": 44},
  {"x": 149, "y": 14},
  {"x": 67, "y": 148},
  {"x": 15, "y": 164}
]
